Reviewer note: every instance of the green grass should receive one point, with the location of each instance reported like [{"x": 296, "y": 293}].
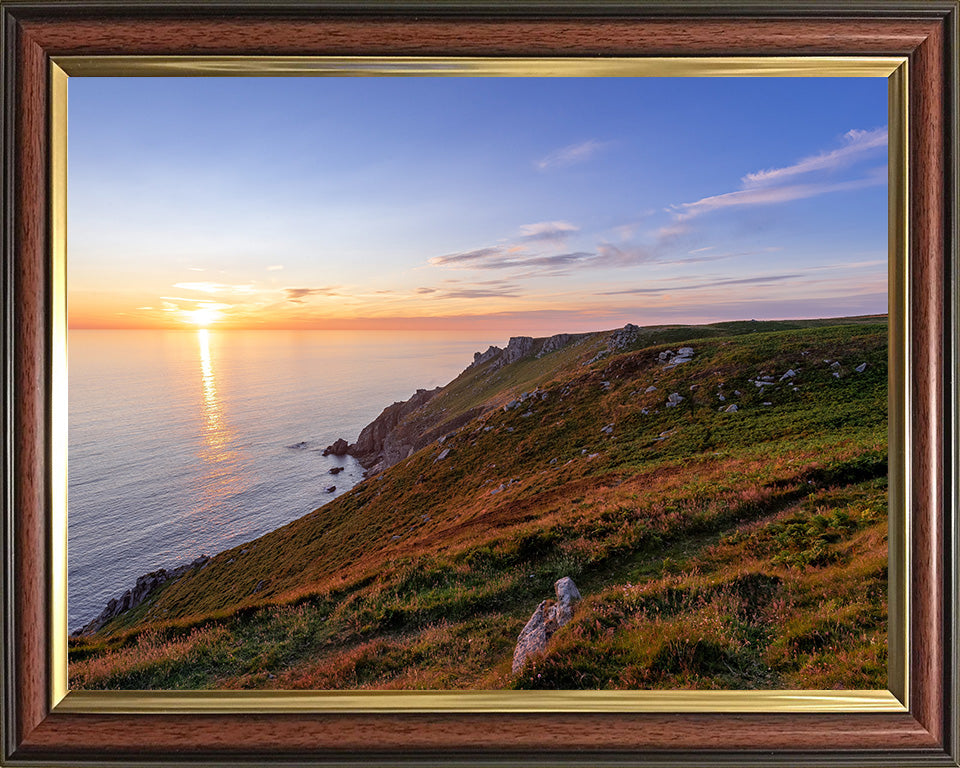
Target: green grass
[{"x": 713, "y": 549}]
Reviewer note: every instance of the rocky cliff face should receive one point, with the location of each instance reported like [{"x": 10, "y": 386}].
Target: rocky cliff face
[
  {"x": 382, "y": 443},
  {"x": 479, "y": 358},
  {"x": 552, "y": 344},
  {"x": 404, "y": 428},
  {"x": 520, "y": 347},
  {"x": 402, "y": 432}
]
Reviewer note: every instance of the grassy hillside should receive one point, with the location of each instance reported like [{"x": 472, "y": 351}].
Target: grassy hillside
[{"x": 725, "y": 549}]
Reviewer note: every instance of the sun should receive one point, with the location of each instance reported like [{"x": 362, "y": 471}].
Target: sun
[{"x": 202, "y": 317}]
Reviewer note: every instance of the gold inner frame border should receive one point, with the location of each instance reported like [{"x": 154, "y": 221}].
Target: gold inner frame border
[{"x": 894, "y": 699}]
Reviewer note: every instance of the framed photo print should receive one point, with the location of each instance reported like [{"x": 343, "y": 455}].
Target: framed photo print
[{"x": 460, "y": 383}]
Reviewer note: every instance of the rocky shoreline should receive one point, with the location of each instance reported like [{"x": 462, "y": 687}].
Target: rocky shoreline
[{"x": 143, "y": 588}]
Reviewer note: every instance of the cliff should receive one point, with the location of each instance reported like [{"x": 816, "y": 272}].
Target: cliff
[
  {"x": 405, "y": 427},
  {"x": 392, "y": 436}
]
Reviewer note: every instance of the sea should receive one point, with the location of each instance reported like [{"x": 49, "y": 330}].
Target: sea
[{"x": 186, "y": 443}]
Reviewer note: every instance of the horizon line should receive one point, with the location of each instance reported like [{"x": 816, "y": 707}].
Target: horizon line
[{"x": 424, "y": 325}]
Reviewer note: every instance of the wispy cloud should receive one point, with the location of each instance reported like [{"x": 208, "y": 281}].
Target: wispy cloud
[
  {"x": 530, "y": 247},
  {"x": 297, "y": 295},
  {"x": 482, "y": 293},
  {"x": 468, "y": 258},
  {"x": 571, "y": 154},
  {"x": 519, "y": 254},
  {"x": 671, "y": 231},
  {"x": 509, "y": 257},
  {"x": 759, "y": 280},
  {"x": 558, "y": 259},
  {"x": 780, "y": 185},
  {"x": 547, "y": 231},
  {"x": 625, "y": 255},
  {"x": 206, "y": 287},
  {"x": 856, "y": 144},
  {"x": 181, "y": 298},
  {"x": 772, "y": 195},
  {"x": 631, "y": 255},
  {"x": 453, "y": 288}
]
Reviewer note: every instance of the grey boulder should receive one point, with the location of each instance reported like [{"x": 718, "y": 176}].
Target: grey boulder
[{"x": 548, "y": 617}]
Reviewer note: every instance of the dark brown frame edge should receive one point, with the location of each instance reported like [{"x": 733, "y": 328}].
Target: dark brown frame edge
[{"x": 32, "y": 32}]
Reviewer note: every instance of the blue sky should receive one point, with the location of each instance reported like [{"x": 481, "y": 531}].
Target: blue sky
[{"x": 528, "y": 205}]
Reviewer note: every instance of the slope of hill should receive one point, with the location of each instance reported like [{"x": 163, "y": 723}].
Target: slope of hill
[{"x": 714, "y": 546}]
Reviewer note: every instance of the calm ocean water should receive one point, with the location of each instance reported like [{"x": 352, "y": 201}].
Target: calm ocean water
[{"x": 185, "y": 443}]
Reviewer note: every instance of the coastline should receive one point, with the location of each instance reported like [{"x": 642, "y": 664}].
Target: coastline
[
  {"x": 383, "y": 442},
  {"x": 192, "y": 460}
]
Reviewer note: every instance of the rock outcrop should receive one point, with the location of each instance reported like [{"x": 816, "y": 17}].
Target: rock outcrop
[
  {"x": 520, "y": 347},
  {"x": 554, "y": 343},
  {"x": 546, "y": 620},
  {"x": 624, "y": 337},
  {"x": 379, "y": 442},
  {"x": 402, "y": 429},
  {"x": 339, "y": 448},
  {"x": 144, "y": 587},
  {"x": 671, "y": 359},
  {"x": 479, "y": 358},
  {"x": 618, "y": 340}
]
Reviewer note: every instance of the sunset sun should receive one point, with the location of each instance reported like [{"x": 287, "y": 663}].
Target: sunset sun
[{"x": 202, "y": 316}]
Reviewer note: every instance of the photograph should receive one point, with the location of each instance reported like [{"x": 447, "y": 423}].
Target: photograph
[{"x": 478, "y": 383}]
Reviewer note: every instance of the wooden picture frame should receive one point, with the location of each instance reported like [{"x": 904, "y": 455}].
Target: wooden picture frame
[{"x": 39, "y": 730}]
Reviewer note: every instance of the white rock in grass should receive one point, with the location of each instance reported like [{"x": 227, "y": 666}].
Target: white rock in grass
[{"x": 548, "y": 617}]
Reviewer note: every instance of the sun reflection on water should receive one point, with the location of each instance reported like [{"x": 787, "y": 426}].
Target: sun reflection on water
[
  {"x": 213, "y": 433},
  {"x": 222, "y": 463}
]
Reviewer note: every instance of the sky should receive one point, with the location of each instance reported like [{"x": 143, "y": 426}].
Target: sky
[{"x": 524, "y": 205}]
